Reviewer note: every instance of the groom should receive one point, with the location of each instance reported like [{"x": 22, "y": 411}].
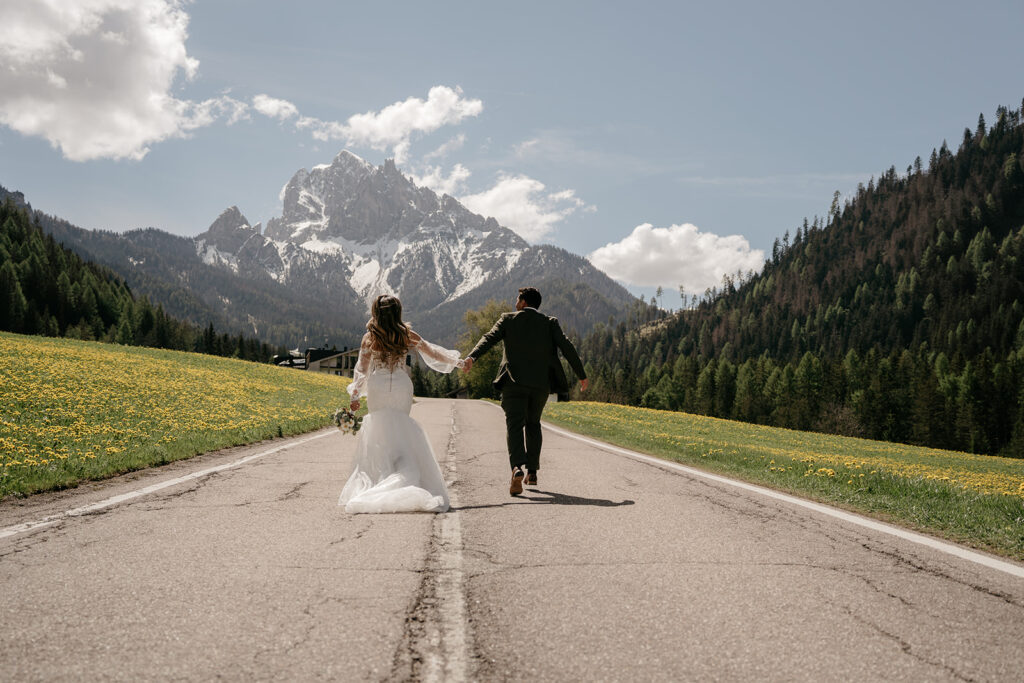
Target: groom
[{"x": 529, "y": 371}]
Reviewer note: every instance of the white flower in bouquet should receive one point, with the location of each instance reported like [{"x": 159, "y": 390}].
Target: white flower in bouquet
[{"x": 347, "y": 421}]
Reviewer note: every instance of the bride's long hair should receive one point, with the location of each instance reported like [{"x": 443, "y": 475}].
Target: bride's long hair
[{"x": 389, "y": 336}]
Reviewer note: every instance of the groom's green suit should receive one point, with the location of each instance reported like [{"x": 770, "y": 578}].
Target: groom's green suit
[{"x": 529, "y": 371}]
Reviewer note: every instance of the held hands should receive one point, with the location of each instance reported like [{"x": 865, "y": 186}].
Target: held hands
[
  {"x": 467, "y": 364},
  {"x": 584, "y": 383}
]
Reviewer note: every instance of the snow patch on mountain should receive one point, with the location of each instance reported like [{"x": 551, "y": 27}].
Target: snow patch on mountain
[
  {"x": 214, "y": 257},
  {"x": 320, "y": 246},
  {"x": 366, "y": 278}
]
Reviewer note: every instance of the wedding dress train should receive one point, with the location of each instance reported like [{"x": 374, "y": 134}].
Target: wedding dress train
[{"x": 395, "y": 468}]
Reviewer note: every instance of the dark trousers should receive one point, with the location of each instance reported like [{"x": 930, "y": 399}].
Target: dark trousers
[{"x": 523, "y": 407}]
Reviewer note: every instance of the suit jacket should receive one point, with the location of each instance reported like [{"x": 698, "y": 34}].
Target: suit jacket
[{"x": 532, "y": 341}]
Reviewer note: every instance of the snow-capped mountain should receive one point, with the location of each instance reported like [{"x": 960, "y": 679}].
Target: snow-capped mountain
[{"x": 350, "y": 229}]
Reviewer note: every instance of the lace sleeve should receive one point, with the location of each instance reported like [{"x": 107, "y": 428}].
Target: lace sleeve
[
  {"x": 437, "y": 357},
  {"x": 357, "y": 387}
]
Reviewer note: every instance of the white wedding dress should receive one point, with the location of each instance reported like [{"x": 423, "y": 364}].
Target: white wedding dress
[{"x": 395, "y": 468}]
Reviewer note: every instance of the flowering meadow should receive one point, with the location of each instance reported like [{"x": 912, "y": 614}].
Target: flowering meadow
[
  {"x": 975, "y": 499},
  {"x": 73, "y": 410}
]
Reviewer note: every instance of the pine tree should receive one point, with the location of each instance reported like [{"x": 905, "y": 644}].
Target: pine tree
[{"x": 13, "y": 305}]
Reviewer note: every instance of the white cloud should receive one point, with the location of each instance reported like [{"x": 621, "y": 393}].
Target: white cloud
[
  {"x": 393, "y": 127},
  {"x": 274, "y": 108},
  {"x": 435, "y": 179},
  {"x": 94, "y": 77},
  {"x": 204, "y": 113},
  {"x": 676, "y": 255},
  {"x": 520, "y": 204}
]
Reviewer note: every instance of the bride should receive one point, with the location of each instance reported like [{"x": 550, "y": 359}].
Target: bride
[{"x": 395, "y": 469}]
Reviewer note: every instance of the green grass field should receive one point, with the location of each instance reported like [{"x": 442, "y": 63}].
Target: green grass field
[
  {"x": 72, "y": 410},
  {"x": 972, "y": 499}
]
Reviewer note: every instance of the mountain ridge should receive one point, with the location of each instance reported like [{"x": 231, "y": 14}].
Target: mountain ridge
[{"x": 348, "y": 232}]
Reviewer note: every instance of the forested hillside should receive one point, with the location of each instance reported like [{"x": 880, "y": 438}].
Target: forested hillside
[
  {"x": 48, "y": 290},
  {"x": 165, "y": 268},
  {"x": 899, "y": 316}
]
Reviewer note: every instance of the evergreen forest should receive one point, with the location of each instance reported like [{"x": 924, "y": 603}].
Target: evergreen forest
[
  {"x": 46, "y": 289},
  {"x": 899, "y": 316}
]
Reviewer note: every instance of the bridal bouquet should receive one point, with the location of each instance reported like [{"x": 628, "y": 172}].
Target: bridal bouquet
[{"x": 347, "y": 421}]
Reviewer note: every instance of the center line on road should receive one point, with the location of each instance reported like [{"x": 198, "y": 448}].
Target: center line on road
[
  {"x": 115, "y": 500},
  {"x": 935, "y": 544},
  {"x": 453, "y": 662}
]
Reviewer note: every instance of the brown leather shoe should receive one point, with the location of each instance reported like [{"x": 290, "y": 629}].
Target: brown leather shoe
[
  {"x": 531, "y": 479},
  {"x": 516, "y": 487}
]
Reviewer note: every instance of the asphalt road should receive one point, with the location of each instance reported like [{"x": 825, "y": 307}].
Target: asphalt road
[{"x": 610, "y": 569}]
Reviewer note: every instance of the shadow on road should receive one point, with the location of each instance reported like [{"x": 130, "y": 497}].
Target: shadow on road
[{"x": 550, "y": 498}]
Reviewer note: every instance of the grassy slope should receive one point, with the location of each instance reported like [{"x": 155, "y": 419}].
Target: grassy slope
[
  {"x": 971, "y": 499},
  {"x": 72, "y": 410}
]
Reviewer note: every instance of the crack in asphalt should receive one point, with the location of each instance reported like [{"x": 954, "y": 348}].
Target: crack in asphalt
[
  {"x": 712, "y": 493},
  {"x": 841, "y": 539},
  {"x": 875, "y": 587},
  {"x": 162, "y": 502},
  {"x": 26, "y": 543},
  {"x": 904, "y": 645},
  {"x": 358, "y": 535},
  {"x": 307, "y": 630},
  {"x": 815, "y": 526},
  {"x": 761, "y": 514},
  {"x": 939, "y": 574},
  {"x": 159, "y": 501},
  {"x": 437, "y": 642},
  {"x": 293, "y": 492}
]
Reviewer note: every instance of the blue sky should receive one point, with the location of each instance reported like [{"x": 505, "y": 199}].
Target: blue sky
[{"x": 715, "y": 126}]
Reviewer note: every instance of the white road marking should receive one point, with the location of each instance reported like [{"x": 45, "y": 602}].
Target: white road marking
[
  {"x": 941, "y": 546},
  {"x": 115, "y": 500},
  {"x": 453, "y": 662}
]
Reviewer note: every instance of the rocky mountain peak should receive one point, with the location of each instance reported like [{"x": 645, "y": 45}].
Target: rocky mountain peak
[
  {"x": 346, "y": 159},
  {"x": 17, "y": 197},
  {"x": 389, "y": 169},
  {"x": 229, "y": 221},
  {"x": 352, "y": 230},
  {"x": 230, "y": 231},
  {"x": 352, "y": 200}
]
